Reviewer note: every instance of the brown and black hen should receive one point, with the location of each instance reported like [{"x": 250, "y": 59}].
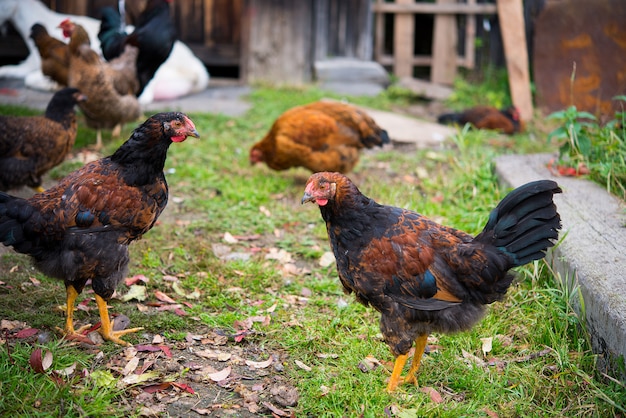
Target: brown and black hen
[
  {"x": 505, "y": 120},
  {"x": 55, "y": 55},
  {"x": 320, "y": 136},
  {"x": 31, "y": 145},
  {"x": 80, "y": 229},
  {"x": 106, "y": 107},
  {"x": 424, "y": 277}
]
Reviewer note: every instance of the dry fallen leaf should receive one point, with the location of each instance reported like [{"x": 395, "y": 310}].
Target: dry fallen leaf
[
  {"x": 220, "y": 375},
  {"x": 473, "y": 358},
  {"x": 303, "y": 366},
  {"x": 163, "y": 297},
  {"x": 135, "y": 292},
  {"x": 260, "y": 364},
  {"x": 487, "y": 345},
  {"x": 39, "y": 361},
  {"x": 433, "y": 394}
]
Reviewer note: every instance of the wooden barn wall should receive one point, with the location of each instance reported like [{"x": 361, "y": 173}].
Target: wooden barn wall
[{"x": 278, "y": 46}]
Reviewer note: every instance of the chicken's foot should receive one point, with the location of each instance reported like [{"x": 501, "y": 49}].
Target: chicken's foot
[
  {"x": 69, "y": 331},
  {"x": 394, "y": 380},
  {"x": 420, "y": 345},
  {"x": 106, "y": 328}
]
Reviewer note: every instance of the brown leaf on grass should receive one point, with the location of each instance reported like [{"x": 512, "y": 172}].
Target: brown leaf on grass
[
  {"x": 129, "y": 281},
  {"x": 26, "y": 333},
  {"x": 432, "y": 393},
  {"x": 34, "y": 281},
  {"x": 39, "y": 361},
  {"x": 163, "y": 297}
]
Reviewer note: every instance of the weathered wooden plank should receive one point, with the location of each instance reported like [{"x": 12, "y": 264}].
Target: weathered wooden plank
[
  {"x": 511, "y": 16},
  {"x": 279, "y": 47},
  {"x": 432, "y": 8},
  {"x": 470, "y": 39},
  {"x": 443, "y": 70},
  {"x": 403, "y": 42}
]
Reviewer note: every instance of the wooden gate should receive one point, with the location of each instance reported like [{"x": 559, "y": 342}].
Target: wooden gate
[{"x": 445, "y": 57}]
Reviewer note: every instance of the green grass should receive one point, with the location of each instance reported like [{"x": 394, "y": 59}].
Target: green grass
[{"x": 220, "y": 192}]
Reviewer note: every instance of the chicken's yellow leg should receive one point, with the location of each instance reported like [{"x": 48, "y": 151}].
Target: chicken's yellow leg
[
  {"x": 394, "y": 380},
  {"x": 106, "y": 328},
  {"x": 420, "y": 345},
  {"x": 69, "y": 331},
  {"x": 72, "y": 294}
]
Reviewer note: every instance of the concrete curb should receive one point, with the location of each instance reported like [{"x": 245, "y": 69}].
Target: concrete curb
[{"x": 592, "y": 255}]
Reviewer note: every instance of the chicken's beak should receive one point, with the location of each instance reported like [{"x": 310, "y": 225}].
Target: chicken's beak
[
  {"x": 307, "y": 197},
  {"x": 194, "y": 133}
]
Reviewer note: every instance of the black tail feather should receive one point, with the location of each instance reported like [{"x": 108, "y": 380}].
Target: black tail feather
[{"x": 525, "y": 223}]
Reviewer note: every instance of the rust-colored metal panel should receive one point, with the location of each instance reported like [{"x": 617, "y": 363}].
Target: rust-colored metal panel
[{"x": 590, "y": 35}]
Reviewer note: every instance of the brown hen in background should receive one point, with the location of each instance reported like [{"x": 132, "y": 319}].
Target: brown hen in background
[
  {"x": 31, "y": 145},
  {"x": 505, "y": 120},
  {"x": 320, "y": 136}
]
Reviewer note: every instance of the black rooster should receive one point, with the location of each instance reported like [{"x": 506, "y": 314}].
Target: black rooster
[{"x": 154, "y": 36}]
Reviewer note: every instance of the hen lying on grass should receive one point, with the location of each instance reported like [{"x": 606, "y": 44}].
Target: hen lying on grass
[
  {"x": 80, "y": 229},
  {"x": 31, "y": 145},
  {"x": 320, "y": 136},
  {"x": 507, "y": 121},
  {"x": 424, "y": 277}
]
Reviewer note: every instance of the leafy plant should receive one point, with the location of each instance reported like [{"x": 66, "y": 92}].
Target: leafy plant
[{"x": 589, "y": 148}]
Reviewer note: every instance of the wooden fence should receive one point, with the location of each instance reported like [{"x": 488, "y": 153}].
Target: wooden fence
[{"x": 445, "y": 58}]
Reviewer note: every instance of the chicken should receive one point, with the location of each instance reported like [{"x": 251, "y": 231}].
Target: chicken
[
  {"x": 154, "y": 36},
  {"x": 55, "y": 55},
  {"x": 55, "y": 61},
  {"x": 182, "y": 73},
  {"x": 32, "y": 145},
  {"x": 105, "y": 108},
  {"x": 424, "y": 277},
  {"x": 80, "y": 229},
  {"x": 320, "y": 136},
  {"x": 486, "y": 117}
]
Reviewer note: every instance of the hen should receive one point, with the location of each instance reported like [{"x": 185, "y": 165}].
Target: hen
[
  {"x": 55, "y": 55},
  {"x": 486, "y": 117},
  {"x": 424, "y": 277},
  {"x": 32, "y": 145},
  {"x": 80, "y": 229},
  {"x": 105, "y": 108},
  {"x": 320, "y": 136},
  {"x": 154, "y": 36}
]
